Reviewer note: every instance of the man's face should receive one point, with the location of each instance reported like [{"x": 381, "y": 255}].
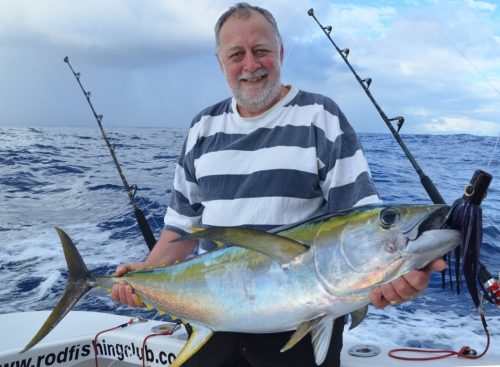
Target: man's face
[{"x": 250, "y": 57}]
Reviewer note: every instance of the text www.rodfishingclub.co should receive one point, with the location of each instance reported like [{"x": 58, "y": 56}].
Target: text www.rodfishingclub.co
[{"x": 71, "y": 354}]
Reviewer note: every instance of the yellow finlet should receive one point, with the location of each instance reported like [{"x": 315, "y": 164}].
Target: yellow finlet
[
  {"x": 197, "y": 229},
  {"x": 139, "y": 299}
]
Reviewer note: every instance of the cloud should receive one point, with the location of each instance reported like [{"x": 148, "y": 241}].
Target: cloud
[
  {"x": 163, "y": 29},
  {"x": 462, "y": 125},
  {"x": 151, "y": 63},
  {"x": 481, "y": 5},
  {"x": 425, "y": 58},
  {"x": 417, "y": 111},
  {"x": 347, "y": 18}
]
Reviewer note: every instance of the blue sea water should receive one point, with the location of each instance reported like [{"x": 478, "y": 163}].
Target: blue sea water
[{"x": 65, "y": 177}]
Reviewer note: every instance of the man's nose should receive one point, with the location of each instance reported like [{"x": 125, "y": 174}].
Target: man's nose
[{"x": 251, "y": 62}]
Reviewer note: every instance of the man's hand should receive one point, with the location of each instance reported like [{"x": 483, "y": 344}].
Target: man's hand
[
  {"x": 406, "y": 287},
  {"x": 164, "y": 253},
  {"x": 122, "y": 292}
]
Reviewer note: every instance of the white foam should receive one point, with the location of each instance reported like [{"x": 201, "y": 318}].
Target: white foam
[{"x": 423, "y": 328}]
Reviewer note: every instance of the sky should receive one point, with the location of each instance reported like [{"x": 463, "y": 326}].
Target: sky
[{"x": 152, "y": 64}]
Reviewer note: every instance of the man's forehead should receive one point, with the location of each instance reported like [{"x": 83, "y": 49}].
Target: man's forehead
[
  {"x": 243, "y": 16},
  {"x": 254, "y": 29}
]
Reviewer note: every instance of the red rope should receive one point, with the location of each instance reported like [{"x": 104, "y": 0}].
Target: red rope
[
  {"x": 94, "y": 342},
  {"x": 169, "y": 332},
  {"x": 464, "y": 352}
]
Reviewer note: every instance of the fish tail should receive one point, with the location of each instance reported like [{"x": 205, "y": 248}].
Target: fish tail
[{"x": 80, "y": 281}]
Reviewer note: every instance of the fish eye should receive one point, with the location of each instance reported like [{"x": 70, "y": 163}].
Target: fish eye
[{"x": 388, "y": 217}]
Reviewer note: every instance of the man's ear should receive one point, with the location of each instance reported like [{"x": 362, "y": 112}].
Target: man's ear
[
  {"x": 282, "y": 53},
  {"x": 219, "y": 61}
]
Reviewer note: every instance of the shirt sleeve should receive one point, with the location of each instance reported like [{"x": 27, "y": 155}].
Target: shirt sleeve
[
  {"x": 185, "y": 208},
  {"x": 344, "y": 173}
]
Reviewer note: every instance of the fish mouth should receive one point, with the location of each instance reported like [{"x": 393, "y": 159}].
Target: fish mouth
[
  {"x": 435, "y": 218},
  {"x": 430, "y": 239}
]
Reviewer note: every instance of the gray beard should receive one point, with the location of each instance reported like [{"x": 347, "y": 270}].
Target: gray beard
[{"x": 263, "y": 100}]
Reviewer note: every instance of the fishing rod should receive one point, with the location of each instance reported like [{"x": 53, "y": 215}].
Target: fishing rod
[
  {"x": 427, "y": 183},
  {"x": 425, "y": 180},
  {"x": 146, "y": 231},
  {"x": 488, "y": 282}
]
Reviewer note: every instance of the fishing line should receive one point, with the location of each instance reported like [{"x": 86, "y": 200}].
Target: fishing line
[
  {"x": 465, "y": 213},
  {"x": 464, "y": 56},
  {"x": 295, "y": 39},
  {"x": 365, "y": 84},
  {"x": 151, "y": 217},
  {"x": 476, "y": 69},
  {"x": 435, "y": 160},
  {"x": 494, "y": 151}
]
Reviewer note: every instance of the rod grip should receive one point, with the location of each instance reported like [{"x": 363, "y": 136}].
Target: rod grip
[
  {"x": 431, "y": 189},
  {"x": 145, "y": 229}
]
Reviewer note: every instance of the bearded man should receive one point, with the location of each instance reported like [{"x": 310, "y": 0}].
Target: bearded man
[{"x": 269, "y": 156}]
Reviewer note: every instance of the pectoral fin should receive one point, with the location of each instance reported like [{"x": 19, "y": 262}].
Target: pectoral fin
[
  {"x": 198, "y": 338},
  {"x": 301, "y": 331},
  {"x": 279, "y": 248},
  {"x": 321, "y": 336},
  {"x": 358, "y": 316}
]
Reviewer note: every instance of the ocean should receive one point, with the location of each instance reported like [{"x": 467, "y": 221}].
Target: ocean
[{"x": 65, "y": 177}]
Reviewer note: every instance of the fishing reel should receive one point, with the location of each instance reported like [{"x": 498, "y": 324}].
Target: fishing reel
[{"x": 490, "y": 285}]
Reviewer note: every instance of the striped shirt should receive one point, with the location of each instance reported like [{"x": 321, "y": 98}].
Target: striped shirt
[{"x": 299, "y": 159}]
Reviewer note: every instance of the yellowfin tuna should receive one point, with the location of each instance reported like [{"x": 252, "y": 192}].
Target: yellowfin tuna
[{"x": 299, "y": 277}]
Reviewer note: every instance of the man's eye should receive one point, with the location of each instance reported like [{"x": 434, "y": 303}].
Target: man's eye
[
  {"x": 261, "y": 52},
  {"x": 237, "y": 56}
]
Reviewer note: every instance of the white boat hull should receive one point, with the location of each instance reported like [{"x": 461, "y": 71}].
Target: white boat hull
[{"x": 70, "y": 344}]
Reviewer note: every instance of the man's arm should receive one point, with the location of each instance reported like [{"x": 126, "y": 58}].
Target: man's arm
[{"x": 164, "y": 253}]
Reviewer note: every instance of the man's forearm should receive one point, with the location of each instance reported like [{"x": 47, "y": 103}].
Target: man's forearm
[{"x": 166, "y": 252}]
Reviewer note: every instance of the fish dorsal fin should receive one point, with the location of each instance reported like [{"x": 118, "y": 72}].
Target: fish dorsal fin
[
  {"x": 358, "y": 316},
  {"x": 218, "y": 244},
  {"x": 301, "y": 331},
  {"x": 321, "y": 336},
  {"x": 197, "y": 339},
  {"x": 278, "y": 248}
]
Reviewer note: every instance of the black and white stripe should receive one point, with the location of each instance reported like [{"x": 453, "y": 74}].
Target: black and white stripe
[{"x": 299, "y": 159}]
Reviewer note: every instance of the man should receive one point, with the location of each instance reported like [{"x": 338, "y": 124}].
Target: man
[{"x": 271, "y": 155}]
